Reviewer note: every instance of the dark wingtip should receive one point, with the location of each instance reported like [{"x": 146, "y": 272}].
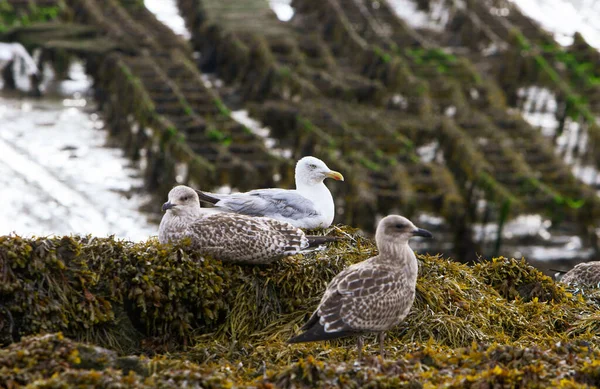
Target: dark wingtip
[
  {"x": 293, "y": 339},
  {"x": 206, "y": 198},
  {"x": 317, "y": 333}
]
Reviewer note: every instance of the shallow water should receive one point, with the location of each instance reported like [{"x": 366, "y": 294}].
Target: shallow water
[
  {"x": 57, "y": 176},
  {"x": 561, "y": 17}
]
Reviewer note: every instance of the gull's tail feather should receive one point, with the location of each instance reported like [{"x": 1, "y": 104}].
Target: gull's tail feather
[
  {"x": 206, "y": 197},
  {"x": 558, "y": 273},
  {"x": 316, "y": 240},
  {"x": 316, "y": 333}
]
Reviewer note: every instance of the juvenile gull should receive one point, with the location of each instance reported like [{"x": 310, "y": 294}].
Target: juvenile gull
[
  {"x": 585, "y": 275},
  {"x": 229, "y": 236},
  {"x": 373, "y": 295},
  {"x": 310, "y": 205}
]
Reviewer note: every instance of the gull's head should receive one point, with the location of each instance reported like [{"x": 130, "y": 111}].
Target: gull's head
[
  {"x": 312, "y": 171},
  {"x": 182, "y": 200},
  {"x": 394, "y": 229}
]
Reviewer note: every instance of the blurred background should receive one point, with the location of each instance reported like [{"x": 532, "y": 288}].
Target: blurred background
[{"x": 477, "y": 119}]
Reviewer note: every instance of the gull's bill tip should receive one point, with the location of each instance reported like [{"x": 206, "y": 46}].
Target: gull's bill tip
[
  {"x": 166, "y": 206},
  {"x": 335, "y": 175},
  {"x": 423, "y": 233}
]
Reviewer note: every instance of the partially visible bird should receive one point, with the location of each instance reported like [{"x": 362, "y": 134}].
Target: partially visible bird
[
  {"x": 586, "y": 275},
  {"x": 373, "y": 295},
  {"x": 229, "y": 236},
  {"x": 11, "y": 51},
  {"x": 310, "y": 205}
]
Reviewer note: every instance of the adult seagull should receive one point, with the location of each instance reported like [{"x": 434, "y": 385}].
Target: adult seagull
[{"x": 310, "y": 205}]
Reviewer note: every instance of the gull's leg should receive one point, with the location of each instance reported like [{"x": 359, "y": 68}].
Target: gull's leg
[
  {"x": 359, "y": 345},
  {"x": 381, "y": 344}
]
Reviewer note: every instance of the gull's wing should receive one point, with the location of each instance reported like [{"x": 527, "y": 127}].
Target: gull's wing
[
  {"x": 244, "y": 239},
  {"x": 360, "y": 298},
  {"x": 269, "y": 202}
]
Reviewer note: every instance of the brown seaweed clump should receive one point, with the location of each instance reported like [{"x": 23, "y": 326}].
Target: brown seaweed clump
[
  {"x": 160, "y": 315},
  {"x": 52, "y": 361},
  {"x": 477, "y": 366}
]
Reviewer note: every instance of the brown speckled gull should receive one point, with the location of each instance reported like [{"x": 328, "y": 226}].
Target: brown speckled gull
[
  {"x": 373, "y": 295},
  {"x": 227, "y": 236},
  {"x": 586, "y": 275}
]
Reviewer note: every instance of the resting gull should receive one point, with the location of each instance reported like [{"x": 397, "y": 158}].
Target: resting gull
[
  {"x": 230, "y": 236},
  {"x": 585, "y": 275},
  {"x": 373, "y": 295},
  {"x": 310, "y": 205}
]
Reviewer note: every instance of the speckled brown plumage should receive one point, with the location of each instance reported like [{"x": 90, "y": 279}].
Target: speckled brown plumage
[
  {"x": 228, "y": 236},
  {"x": 370, "y": 296},
  {"x": 585, "y": 274}
]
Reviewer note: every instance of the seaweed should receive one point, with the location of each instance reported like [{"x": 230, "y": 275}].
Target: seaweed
[{"x": 199, "y": 321}]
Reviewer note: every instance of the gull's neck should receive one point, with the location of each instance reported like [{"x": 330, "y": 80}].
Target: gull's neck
[
  {"x": 185, "y": 216},
  {"x": 177, "y": 222},
  {"x": 190, "y": 213},
  {"x": 320, "y": 195},
  {"x": 399, "y": 254}
]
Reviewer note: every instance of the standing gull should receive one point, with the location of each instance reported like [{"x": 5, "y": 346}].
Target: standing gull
[
  {"x": 310, "y": 205},
  {"x": 229, "y": 236},
  {"x": 373, "y": 295}
]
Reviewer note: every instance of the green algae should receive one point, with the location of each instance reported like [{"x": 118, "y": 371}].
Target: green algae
[
  {"x": 373, "y": 65},
  {"x": 367, "y": 70},
  {"x": 11, "y": 16}
]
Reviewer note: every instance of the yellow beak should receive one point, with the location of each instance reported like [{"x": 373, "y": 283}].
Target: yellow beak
[{"x": 335, "y": 175}]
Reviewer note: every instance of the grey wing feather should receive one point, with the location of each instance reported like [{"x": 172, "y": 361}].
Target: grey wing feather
[{"x": 267, "y": 202}]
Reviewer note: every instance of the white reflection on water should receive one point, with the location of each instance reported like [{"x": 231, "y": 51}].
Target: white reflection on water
[
  {"x": 539, "y": 109},
  {"x": 167, "y": 12},
  {"x": 410, "y": 13},
  {"x": 283, "y": 9},
  {"x": 56, "y": 175},
  {"x": 565, "y": 17}
]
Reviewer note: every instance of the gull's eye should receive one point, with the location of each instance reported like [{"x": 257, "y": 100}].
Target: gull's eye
[
  {"x": 185, "y": 198},
  {"x": 312, "y": 166},
  {"x": 400, "y": 226}
]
